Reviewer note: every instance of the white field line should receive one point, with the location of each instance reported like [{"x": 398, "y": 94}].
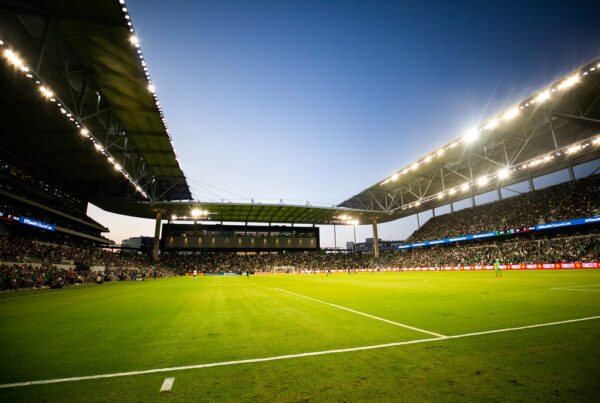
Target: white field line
[
  {"x": 167, "y": 384},
  {"x": 55, "y": 292},
  {"x": 364, "y": 314},
  {"x": 283, "y": 357},
  {"x": 577, "y": 287}
]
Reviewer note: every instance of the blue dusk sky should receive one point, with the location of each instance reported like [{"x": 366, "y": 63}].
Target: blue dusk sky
[{"x": 318, "y": 100}]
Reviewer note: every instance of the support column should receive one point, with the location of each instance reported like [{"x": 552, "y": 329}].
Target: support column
[
  {"x": 499, "y": 194},
  {"x": 571, "y": 173},
  {"x": 375, "y": 240},
  {"x": 334, "y": 238},
  {"x": 451, "y": 207},
  {"x": 157, "y": 235},
  {"x": 531, "y": 187},
  {"x": 418, "y": 222}
]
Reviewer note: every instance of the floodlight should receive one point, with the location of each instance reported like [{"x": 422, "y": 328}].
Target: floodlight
[
  {"x": 569, "y": 82},
  {"x": 471, "y": 135},
  {"x": 492, "y": 124},
  {"x": 511, "y": 114},
  {"x": 196, "y": 212},
  {"x": 543, "y": 96},
  {"x": 482, "y": 181},
  {"x": 504, "y": 173},
  {"x": 465, "y": 187}
]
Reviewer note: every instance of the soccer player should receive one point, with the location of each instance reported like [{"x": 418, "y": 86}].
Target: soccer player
[
  {"x": 195, "y": 273},
  {"x": 497, "y": 266}
]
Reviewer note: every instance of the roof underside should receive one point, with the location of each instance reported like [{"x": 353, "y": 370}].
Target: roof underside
[
  {"x": 81, "y": 50},
  {"x": 540, "y": 135},
  {"x": 246, "y": 212}
]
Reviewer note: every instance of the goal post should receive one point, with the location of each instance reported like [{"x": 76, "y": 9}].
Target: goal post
[{"x": 284, "y": 269}]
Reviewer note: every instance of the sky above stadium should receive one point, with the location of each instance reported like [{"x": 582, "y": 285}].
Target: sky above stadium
[{"x": 316, "y": 101}]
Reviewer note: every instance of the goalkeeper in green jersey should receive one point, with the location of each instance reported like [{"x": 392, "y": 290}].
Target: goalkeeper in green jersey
[{"x": 497, "y": 266}]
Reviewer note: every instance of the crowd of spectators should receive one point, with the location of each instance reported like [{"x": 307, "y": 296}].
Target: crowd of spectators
[
  {"x": 565, "y": 201},
  {"x": 14, "y": 180},
  {"x": 581, "y": 248},
  {"x": 26, "y": 263},
  {"x": 34, "y": 264}
]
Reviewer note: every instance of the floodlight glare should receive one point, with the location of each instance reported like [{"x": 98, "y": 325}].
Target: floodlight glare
[
  {"x": 569, "y": 82},
  {"x": 84, "y": 131},
  {"x": 492, "y": 124},
  {"x": 151, "y": 88},
  {"x": 503, "y": 173},
  {"x": 471, "y": 135},
  {"x": 482, "y": 181},
  {"x": 196, "y": 212},
  {"x": 543, "y": 96},
  {"x": 511, "y": 114},
  {"x": 465, "y": 187}
]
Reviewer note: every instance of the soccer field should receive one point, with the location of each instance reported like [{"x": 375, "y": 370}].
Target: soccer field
[{"x": 390, "y": 336}]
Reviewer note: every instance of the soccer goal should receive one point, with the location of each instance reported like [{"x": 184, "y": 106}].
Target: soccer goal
[{"x": 284, "y": 269}]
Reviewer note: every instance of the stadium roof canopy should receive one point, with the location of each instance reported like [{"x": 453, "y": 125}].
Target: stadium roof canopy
[
  {"x": 556, "y": 128},
  {"x": 249, "y": 212},
  {"x": 78, "y": 104}
]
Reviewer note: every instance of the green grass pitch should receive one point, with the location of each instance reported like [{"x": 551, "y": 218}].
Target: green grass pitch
[{"x": 176, "y": 322}]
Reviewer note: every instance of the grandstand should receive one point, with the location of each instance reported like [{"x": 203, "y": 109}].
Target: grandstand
[{"x": 82, "y": 124}]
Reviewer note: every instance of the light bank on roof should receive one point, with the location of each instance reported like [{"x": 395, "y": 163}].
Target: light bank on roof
[{"x": 554, "y": 129}]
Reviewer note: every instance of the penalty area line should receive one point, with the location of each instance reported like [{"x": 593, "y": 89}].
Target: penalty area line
[
  {"x": 365, "y": 314},
  {"x": 284, "y": 357}
]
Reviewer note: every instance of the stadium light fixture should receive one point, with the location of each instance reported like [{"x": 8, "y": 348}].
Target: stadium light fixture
[
  {"x": 465, "y": 187},
  {"x": 440, "y": 152},
  {"x": 196, "y": 212},
  {"x": 440, "y": 195},
  {"x": 511, "y": 114},
  {"x": 428, "y": 158},
  {"x": 451, "y": 191},
  {"x": 152, "y": 88},
  {"x": 173, "y": 217},
  {"x": 414, "y": 166},
  {"x": 98, "y": 147},
  {"x": 569, "y": 82},
  {"x": 596, "y": 140},
  {"x": 13, "y": 58},
  {"x": 118, "y": 167},
  {"x": 471, "y": 135},
  {"x": 394, "y": 177},
  {"x": 482, "y": 181},
  {"x": 492, "y": 124},
  {"x": 543, "y": 96},
  {"x": 134, "y": 40},
  {"x": 46, "y": 92},
  {"x": 84, "y": 132},
  {"x": 503, "y": 173},
  {"x": 573, "y": 149},
  {"x": 418, "y": 203}
]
